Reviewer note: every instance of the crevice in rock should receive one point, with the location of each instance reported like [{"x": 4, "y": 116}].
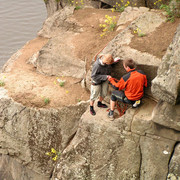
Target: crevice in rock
[
  {"x": 172, "y": 155},
  {"x": 70, "y": 139},
  {"x": 140, "y": 164},
  {"x": 105, "y": 6},
  {"x": 146, "y": 3}
]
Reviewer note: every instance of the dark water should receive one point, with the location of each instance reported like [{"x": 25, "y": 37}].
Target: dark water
[{"x": 20, "y": 20}]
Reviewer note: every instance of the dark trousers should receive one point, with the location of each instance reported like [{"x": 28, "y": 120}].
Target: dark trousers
[{"x": 120, "y": 96}]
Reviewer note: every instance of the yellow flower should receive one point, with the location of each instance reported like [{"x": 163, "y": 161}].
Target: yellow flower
[
  {"x": 53, "y": 150},
  {"x": 128, "y": 2},
  {"x": 126, "y": 5},
  {"x": 55, "y": 158},
  {"x": 55, "y": 82},
  {"x": 106, "y": 21},
  {"x": 48, "y": 153},
  {"x": 122, "y": 1},
  {"x": 67, "y": 92},
  {"x": 112, "y": 9}
]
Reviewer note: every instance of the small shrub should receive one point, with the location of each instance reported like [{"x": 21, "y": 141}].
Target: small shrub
[
  {"x": 110, "y": 24},
  {"x": 172, "y": 10},
  {"x": 54, "y": 154},
  {"x": 141, "y": 34},
  {"x": 120, "y": 7},
  {"x": 2, "y": 83},
  {"x": 46, "y": 100},
  {"x": 61, "y": 83}
]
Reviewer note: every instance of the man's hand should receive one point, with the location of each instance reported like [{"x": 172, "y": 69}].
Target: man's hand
[
  {"x": 117, "y": 59},
  {"x": 109, "y": 77}
]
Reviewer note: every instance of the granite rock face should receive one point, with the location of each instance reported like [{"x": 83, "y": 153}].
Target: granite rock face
[
  {"x": 131, "y": 147},
  {"x": 166, "y": 86},
  {"x": 26, "y": 134}
]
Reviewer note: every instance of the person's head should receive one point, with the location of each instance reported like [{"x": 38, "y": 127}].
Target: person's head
[
  {"x": 107, "y": 59},
  {"x": 129, "y": 64}
]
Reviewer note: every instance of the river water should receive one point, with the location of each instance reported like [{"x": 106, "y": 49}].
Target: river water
[{"x": 20, "y": 20}]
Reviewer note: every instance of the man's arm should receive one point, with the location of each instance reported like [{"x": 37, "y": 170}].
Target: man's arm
[{"x": 117, "y": 85}]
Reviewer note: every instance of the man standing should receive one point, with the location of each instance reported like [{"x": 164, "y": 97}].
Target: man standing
[{"x": 99, "y": 87}]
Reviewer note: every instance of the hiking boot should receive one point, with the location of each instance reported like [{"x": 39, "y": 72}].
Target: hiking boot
[
  {"x": 100, "y": 104},
  {"x": 111, "y": 115},
  {"x": 136, "y": 104},
  {"x": 92, "y": 111}
]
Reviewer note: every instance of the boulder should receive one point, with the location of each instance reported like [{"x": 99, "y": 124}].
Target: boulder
[
  {"x": 166, "y": 86},
  {"x": 167, "y": 115},
  {"x": 131, "y": 14},
  {"x": 58, "y": 21},
  {"x": 57, "y": 58}
]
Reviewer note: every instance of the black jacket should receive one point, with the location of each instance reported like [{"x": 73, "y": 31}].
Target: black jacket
[{"x": 100, "y": 72}]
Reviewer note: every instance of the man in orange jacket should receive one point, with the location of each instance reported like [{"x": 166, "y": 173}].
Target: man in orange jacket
[{"x": 132, "y": 83}]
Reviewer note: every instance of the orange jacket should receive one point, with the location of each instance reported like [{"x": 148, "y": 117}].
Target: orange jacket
[{"x": 133, "y": 82}]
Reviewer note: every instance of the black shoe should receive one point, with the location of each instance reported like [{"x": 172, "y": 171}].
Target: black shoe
[
  {"x": 111, "y": 115},
  {"x": 100, "y": 104},
  {"x": 92, "y": 111}
]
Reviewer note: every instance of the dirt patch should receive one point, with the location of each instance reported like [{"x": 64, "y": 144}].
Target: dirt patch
[
  {"x": 157, "y": 42},
  {"x": 89, "y": 43},
  {"x": 30, "y": 88}
]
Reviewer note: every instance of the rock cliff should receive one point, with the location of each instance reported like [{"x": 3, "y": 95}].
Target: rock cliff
[{"x": 143, "y": 144}]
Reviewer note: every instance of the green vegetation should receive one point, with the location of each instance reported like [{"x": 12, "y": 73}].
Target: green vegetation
[
  {"x": 120, "y": 6},
  {"x": 110, "y": 24},
  {"x": 61, "y": 83},
  {"x": 46, "y": 100},
  {"x": 172, "y": 10},
  {"x": 141, "y": 34},
  {"x": 2, "y": 83}
]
